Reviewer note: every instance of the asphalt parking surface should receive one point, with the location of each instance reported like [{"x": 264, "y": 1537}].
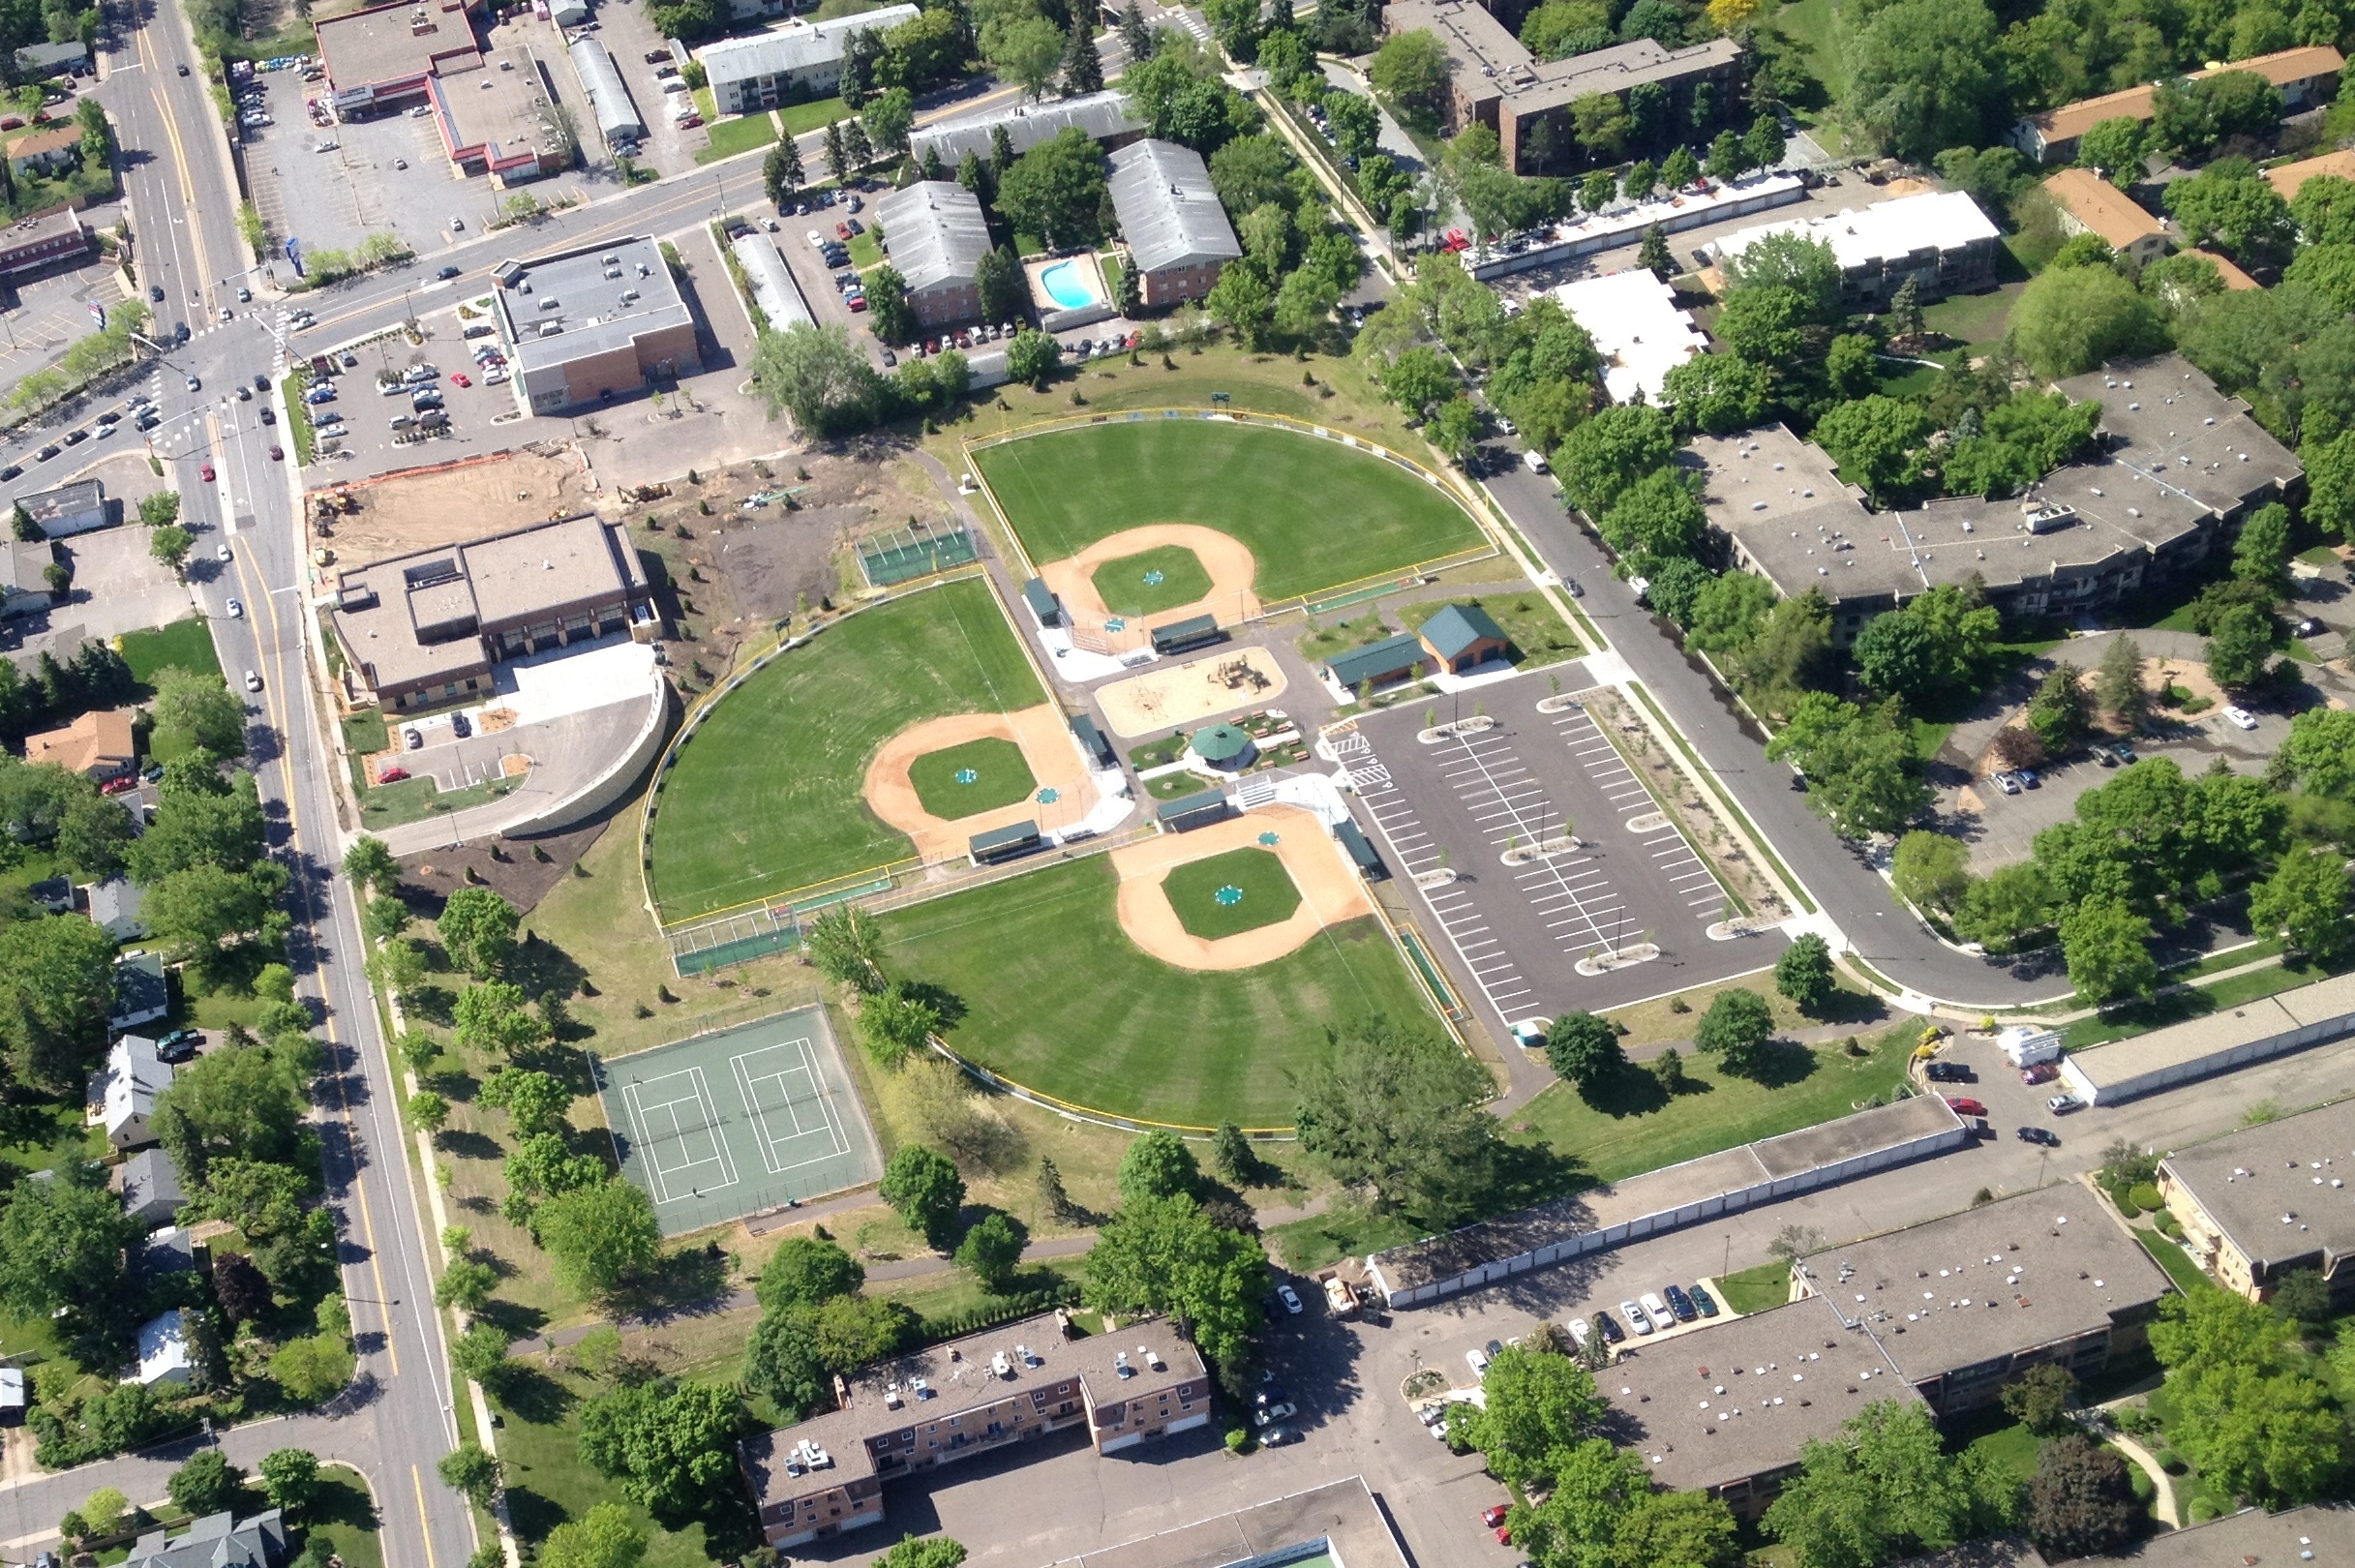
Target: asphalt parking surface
[{"x": 1518, "y": 932}]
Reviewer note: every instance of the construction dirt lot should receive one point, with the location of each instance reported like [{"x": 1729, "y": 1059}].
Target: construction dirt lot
[{"x": 403, "y": 512}]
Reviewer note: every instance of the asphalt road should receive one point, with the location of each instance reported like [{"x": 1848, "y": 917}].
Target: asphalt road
[
  {"x": 395, "y": 1422},
  {"x": 1830, "y": 870}
]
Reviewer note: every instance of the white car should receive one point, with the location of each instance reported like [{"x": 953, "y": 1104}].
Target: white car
[
  {"x": 1635, "y": 1317},
  {"x": 2242, "y": 716},
  {"x": 1290, "y": 1298},
  {"x": 1478, "y": 1359},
  {"x": 1657, "y": 1310},
  {"x": 221, "y": 552},
  {"x": 237, "y": 611},
  {"x": 253, "y": 682},
  {"x": 2007, "y": 783},
  {"x": 1581, "y": 1331},
  {"x": 1269, "y": 1414}
]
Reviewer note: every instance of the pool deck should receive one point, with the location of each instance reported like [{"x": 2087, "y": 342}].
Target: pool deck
[{"x": 1056, "y": 313}]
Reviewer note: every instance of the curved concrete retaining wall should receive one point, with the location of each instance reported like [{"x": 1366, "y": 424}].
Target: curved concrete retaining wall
[{"x": 615, "y": 781}]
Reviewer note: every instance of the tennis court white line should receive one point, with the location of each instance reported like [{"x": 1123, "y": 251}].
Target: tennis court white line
[
  {"x": 770, "y": 1143},
  {"x": 659, "y": 1176}
]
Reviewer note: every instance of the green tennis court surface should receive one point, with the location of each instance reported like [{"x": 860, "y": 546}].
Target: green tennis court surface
[{"x": 738, "y": 1121}]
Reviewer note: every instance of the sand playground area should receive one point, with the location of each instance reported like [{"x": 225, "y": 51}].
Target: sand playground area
[
  {"x": 1330, "y": 892},
  {"x": 1046, "y": 741},
  {"x": 1160, "y": 699},
  {"x": 1229, "y": 565}
]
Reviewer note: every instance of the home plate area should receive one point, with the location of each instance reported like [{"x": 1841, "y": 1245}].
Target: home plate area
[{"x": 738, "y": 1121}]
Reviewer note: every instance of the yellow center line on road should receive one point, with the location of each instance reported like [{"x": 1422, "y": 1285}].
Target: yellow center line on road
[
  {"x": 417, "y": 1478},
  {"x": 286, "y": 776}
]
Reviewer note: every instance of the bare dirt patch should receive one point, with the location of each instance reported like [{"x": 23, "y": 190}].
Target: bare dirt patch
[
  {"x": 1330, "y": 892},
  {"x": 521, "y": 879},
  {"x": 415, "y": 510},
  {"x": 1047, "y": 747}
]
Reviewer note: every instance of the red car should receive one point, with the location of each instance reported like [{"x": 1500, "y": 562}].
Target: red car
[
  {"x": 2042, "y": 1072},
  {"x": 857, "y": 302},
  {"x": 1504, "y": 1535},
  {"x": 1455, "y": 241},
  {"x": 1495, "y": 1517},
  {"x": 205, "y": 474},
  {"x": 119, "y": 785},
  {"x": 1964, "y": 1106},
  {"x": 842, "y": 231},
  {"x": 459, "y": 377},
  {"x": 392, "y": 775}
]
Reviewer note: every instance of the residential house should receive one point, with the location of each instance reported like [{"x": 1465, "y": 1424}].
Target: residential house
[
  {"x": 142, "y": 992},
  {"x": 98, "y": 745},
  {"x": 135, "y": 1076},
  {"x": 25, "y": 588},
  {"x": 216, "y": 1541},
  {"x": 49, "y": 149},
  {"x": 149, "y": 1187},
  {"x": 164, "y": 1252},
  {"x": 164, "y": 1355},
  {"x": 114, "y": 906}
]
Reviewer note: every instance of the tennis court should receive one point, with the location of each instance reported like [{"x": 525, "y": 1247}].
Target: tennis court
[{"x": 738, "y": 1121}]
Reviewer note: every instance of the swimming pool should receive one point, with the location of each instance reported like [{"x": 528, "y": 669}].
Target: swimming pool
[{"x": 1067, "y": 284}]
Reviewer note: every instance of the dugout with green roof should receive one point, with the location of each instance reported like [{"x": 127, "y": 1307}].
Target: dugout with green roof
[
  {"x": 1057, "y": 999},
  {"x": 1278, "y": 491},
  {"x": 768, "y": 794}
]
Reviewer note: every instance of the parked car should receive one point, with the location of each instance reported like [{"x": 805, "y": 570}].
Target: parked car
[
  {"x": 2124, "y": 752},
  {"x": 2063, "y": 1104},
  {"x": 1580, "y": 1331},
  {"x": 1656, "y": 1308},
  {"x": 2028, "y": 778},
  {"x": 1613, "y": 1334},
  {"x": 1272, "y": 1414},
  {"x": 1706, "y": 1303},
  {"x": 2044, "y": 1135},
  {"x": 179, "y": 1046},
  {"x": 2007, "y": 783},
  {"x": 1946, "y": 1072},
  {"x": 392, "y": 775},
  {"x": 1277, "y": 1436},
  {"x": 1681, "y": 1304},
  {"x": 2042, "y": 1072},
  {"x": 2241, "y": 717},
  {"x": 460, "y": 726},
  {"x": 412, "y": 739},
  {"x": 1965, "y": 1106},
  {"x": 1493, "y": 1517},
  {"x": 1283, "y": 1292},
  {"x": 1635, "y": 1317},
  {"x": 1478, "y": 1360}
]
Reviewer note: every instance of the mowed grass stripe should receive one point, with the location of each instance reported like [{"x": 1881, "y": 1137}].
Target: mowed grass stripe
[
  {"x": 1313, "y": 513},
  {"x": 769, "y": 794},
  {"x": 1057, "y": 999}
]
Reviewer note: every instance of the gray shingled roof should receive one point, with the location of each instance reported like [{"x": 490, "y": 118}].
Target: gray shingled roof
[
  {"x": 1167, "y": 210},
  {"x": 934, "y": 233},
  {"x": 795, "y": 46},
  {"x": 1101, "y": 115}
]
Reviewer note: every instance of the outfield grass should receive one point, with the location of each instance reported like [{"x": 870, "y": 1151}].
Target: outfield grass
[
  {"x": 1622, "y": 1134},
  {"x": 1000, "y": 777},
  {"x": 184, "y": 645},
  {"x": 1259, "y": 893},
  {"x": 1276, "y": 491},
  {"x": 1123, "y": 588},
  {"x": 1057, "y": 998},
  {"x": 766, "y": 795}
]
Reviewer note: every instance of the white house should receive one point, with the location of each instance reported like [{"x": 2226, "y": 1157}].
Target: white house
[
  {"x": 135, "y": 1076},
  {"x": 163, "y": 1354},
  {"x": 115, "y": 908}
]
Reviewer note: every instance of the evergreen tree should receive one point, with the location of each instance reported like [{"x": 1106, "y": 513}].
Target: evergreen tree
[
  {"x": 1082, "y": 67},
  {"x": 855, "y": 142},
  {"x": 781, "y": 172},
  {"x": 1905, "y": 311},
  {"x": 1134, "y": 35},
  {"x": 837, "y": 158},
  {"x": 1654, "y": 254},
  {"x": 1000, "y": 154},
  {"x": 933, "y": 164},
  {"x": 971, "y": 173}
]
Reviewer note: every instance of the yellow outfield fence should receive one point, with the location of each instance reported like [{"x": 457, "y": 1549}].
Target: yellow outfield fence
[{"x": 1378, "y": 582}]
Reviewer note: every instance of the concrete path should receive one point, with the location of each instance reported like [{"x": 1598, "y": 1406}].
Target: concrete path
[{"x": 2164, "y": 1504}]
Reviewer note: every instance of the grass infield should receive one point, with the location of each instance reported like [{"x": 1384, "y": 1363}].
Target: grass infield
[
  {"x": 1057, "y": 998},
  {"x": 768, "y": 794},
  {"x": 1123, "y": 588},
  {"x": 1276, "y": 491},
  {"x": 1000, "y": 777},
  {"x": 1259, "y": 893}
]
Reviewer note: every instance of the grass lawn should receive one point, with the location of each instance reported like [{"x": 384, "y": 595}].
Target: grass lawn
[
  {"x": 1538, "y": 635},
  {"x": 365, "y": 731},
  {"x": 1276, "y": 491},
  {"x": 1137, "y": 1035},
  {"x": 766, "y": 795},
  {"x": 414, "y": 800},
  {"x": 1621, "y": 1134},
  {"x": 1346, "y": 1230},
  {"x": 741, "y": 135},
  {"x": 1813, "y": 25},
  {"x": 1151, "y": 580},
  {"x": 1929, "y": 738},
  {"x": 705, "y": 104},
  {"x": 980, "y": 776},
  {"x": 1240, "y": 890},
  {"x": 2193, "y": 1000},
  {"x": 1754, "y": 1290},
  {"x": 867, "y": 251},
  {"x": 1970, "y": 318},
  {"x": 2176, "y": 1261},
  {"x": 184, "y": 645},
  {"x": 812, "y": 115},
  {"x": 305, "y": 440},
  {"x": 344, "y": 1512}
]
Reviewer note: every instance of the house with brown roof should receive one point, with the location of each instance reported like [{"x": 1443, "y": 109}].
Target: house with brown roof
[
  {"x": 2288, "y": 179},
  {"x": 99, "y": 746},
  {"x": 46, "y": 149},
  {"x": 2092, "y": 205},
  {"x": 2304, "y": 76}
]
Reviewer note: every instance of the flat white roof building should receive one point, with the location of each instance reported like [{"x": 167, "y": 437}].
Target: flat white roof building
[
  {"x": 801, "y": 59},
  {"x": 1940, "y": 239},
  {"x": 1635, "y": 323}
]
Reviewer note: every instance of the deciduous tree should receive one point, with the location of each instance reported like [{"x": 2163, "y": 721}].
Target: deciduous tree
[
  {"x": 1736, "y": 1029},
  {"x": 1585, "y": 1049},
  {"x": 927, "y": 1193}
]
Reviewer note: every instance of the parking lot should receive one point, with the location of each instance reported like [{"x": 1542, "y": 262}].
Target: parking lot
[
  {"x": 1462, "y": 803},
  {"x": 369, "y": 443},
  {"x": 629, "y": 35},
  {"x": 44, "y": 314}
]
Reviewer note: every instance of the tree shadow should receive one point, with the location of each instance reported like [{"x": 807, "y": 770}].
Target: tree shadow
[
  {"x": 532, "y": 1514},
  {"x": 516, "y": 1320},
  {"x": 464, "y": 1145},
  {"x": 1529, "y": 1173},
  {"x": 434, "y": 1004},
  {"x": 533, "y": 1396},
  {"x": 1630, "y": 1091},
  {"x": 540, "y": 967},
  {"x": 681, "y": 1281},
  {"x": 947, "y": 1002},
  {"x": 1782, "y": 1063},
  {"x": 1850, "y": 1008}
]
